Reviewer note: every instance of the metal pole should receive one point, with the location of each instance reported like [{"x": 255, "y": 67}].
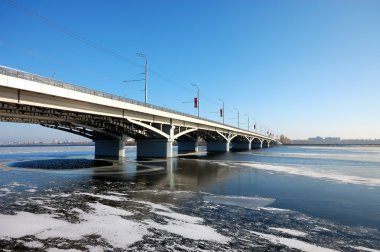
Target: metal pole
[
  {"x": 198, "y": 102},
  {"x": 248, "y": 120},
  {"x": 146, "y": 80},
  {"x": 223, "y": 112},
  {"x": 146, "y": 75},
  {"x": 222, "y": 108},
  {"x": 195, "y": 85}
]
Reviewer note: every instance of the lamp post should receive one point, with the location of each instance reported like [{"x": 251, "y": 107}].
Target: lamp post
[
  {"x": 222, "y": 108},
  {"x": 248, "y": 121},
  {"x": 146, "y": 75},
  {"x": 238, "y": 116},
  {"x": 195, "y": 85}
]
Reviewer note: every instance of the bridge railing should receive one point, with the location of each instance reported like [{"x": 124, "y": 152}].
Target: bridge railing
[{"x": 49, "y": 81}]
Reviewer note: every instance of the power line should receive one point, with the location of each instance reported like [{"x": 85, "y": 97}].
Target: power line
[
  {"x": 101, "y": 48},
  {"x": 71, "y": 34}
]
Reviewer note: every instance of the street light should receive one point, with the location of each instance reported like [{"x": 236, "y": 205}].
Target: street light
[
  {"x": 238, "y": 116},
  {"x": 248, "y": 121},
  {"x": 222, "y": 108},
  {"x": 146, "y": 75},
  {"x": 195, "y": 85}
]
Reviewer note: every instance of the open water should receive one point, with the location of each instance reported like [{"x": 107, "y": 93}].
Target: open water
[{"x": 282, "y": 198}]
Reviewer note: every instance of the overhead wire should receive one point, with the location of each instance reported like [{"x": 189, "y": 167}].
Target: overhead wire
[{"x": 103, "y": 49}]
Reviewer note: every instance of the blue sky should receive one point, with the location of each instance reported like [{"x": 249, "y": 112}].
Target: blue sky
[{"x": 300, "y": 68}]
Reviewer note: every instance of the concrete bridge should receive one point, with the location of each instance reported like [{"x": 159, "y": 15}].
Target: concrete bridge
[{"x": 108, "y": 119}]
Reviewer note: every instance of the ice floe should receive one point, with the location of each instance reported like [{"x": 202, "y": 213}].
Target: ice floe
[
  {"x": 293, "y": 243},
  {"x": 274, "y": 209},
  {"x": 62, "y": 250},
  {"x": 190, "y": 230},
  {"x": 110, "y": 223},
  {"x": 106, "y": 197},
  {"x": 289, "y": 231},
  {"x": 242, "y": 201},
  {"x": 314, "y": 173},
  {"x": 25, "y": 223},
  {"x": 33, "y": 244},
  {"x": 361, "y": 248}
]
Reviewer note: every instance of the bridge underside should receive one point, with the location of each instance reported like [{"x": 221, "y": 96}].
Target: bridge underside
[{"x": 109, "y": 133}]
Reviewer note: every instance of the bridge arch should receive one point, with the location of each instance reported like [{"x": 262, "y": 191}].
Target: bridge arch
[{"x": 265, "y": 144}]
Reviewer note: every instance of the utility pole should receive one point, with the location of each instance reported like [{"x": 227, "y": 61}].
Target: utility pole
[
  {"x": 146, "y": 76},
  {"x": 222, "y": 108},
  {"x": 195, "y": 85},
  {"x": 248, "y": 121}
]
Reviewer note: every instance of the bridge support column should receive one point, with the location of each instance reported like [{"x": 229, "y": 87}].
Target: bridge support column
[
  {"x": 188, "y": 146},
  {"x": 218, "y": 146},
  {"x": 241, "y": 146},
  {"x": 154, "y": 148},
  {"x": 109, "y": 148},
  {"x": 257, "y": 145}
]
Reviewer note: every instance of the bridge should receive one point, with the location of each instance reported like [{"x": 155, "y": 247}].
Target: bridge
[{"x": 109, "y": 119}]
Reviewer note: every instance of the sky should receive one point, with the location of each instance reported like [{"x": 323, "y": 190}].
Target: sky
[{"x": 299, "y": 68}]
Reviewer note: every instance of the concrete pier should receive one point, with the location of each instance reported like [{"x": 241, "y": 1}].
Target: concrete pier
[
  {"x": 187, "y": 146},
  {"x": 265, "y": 144},
  {"x": 218, "y": 146},
  {"x": 257, "y": 145},
  {"x": 154, "y": 148},
  {"x": 241, "y": 146},
  {"x": 109, "y": 148}
]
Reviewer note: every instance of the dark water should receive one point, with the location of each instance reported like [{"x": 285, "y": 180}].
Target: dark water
[{"x": 283, "y": 198}]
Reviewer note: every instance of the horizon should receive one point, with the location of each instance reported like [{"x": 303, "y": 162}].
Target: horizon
[{"x": 301, "y": 69}]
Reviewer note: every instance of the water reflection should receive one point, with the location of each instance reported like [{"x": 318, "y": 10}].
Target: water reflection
[{"x": 174, "y": 173}]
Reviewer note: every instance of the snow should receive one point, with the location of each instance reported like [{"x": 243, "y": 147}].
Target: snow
[
  {"x": 104, "y": 221},
  {"x": 153, "y": 205},
  {"x": 110, "y": 223},
  {"x": 293, "y": 243},
  {"x": 317, "y": 228},
  {"x": 180, "y": 217},
  {"x": 6, "y": 190},
  {"x": 16, "y": 184},
  {"x": 361, "y": 248},
  {"x": 190, "y": 230},
  {"x": 33, "y": 244},
  {"x": 273, "y": 209},
  {"x": 94, "y": 249},
  {"x": 14, "y": 226},
  {"x": 289, "y": 231},
  {"x": 62, "y": 250},
  {"x": 107, "y": 197}
]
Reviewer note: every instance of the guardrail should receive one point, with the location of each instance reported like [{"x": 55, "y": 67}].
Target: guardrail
[{"x": 33, "y": 77}]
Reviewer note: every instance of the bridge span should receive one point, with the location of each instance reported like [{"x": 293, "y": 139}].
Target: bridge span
[{"x": 109, "y": 119}]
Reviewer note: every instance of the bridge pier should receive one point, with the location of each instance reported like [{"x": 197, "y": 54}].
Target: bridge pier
[
  {"x": 241, "y": 146},
  {"x": 265, "y": 144},
  {"x": 257, "y": 145},
  {"x": 218, "y": 146},
  {"x": 109, "y": 148},
  {"x": 154, "y": 148},
  {"x": 188, "y": 146}
]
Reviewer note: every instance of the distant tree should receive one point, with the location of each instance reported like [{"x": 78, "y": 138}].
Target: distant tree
[{"x": 285, "y": 140}]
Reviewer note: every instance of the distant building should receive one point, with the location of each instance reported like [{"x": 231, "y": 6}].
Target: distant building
[{"x": 336, "y": 141}]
